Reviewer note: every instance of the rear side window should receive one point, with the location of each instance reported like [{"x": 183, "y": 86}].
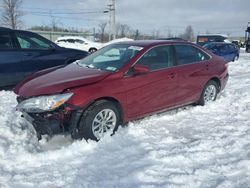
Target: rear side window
[
  {"x": 158, "y": 58},
  {"x": 187, "y": 54},
  {"x": 30, "y": 41},
  {"x": 5, "y": 41},
  {"x": 79, "y": 41}
]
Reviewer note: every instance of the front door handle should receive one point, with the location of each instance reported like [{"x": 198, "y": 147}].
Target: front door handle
[{"x": 27, "y": 54}]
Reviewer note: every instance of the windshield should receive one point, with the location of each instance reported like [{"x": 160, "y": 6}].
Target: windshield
[{"x": 110, "y": 58}]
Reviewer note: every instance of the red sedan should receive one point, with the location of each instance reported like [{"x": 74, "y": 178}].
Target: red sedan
[{"x": 120, "y": 83}]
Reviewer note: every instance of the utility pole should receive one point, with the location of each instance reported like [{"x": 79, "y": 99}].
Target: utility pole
[
  {"x": 110, "y": 16},
  {"x": 113, "y": 20},
  {"x": 112, "y": 25}
]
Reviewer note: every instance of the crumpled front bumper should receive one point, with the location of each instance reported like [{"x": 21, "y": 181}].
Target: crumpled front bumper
[{"x": 56, "y": 122}]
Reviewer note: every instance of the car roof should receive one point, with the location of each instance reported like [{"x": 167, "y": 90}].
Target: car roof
[
  {"x": 210, "y": 35},
  {"x": 152, "y": 42},
  {"x": 5, "y": 29},
  {"x": 71, "y": 37},
  {"x": 219, "y": 43},
  {"x": 9, "y": 29}
]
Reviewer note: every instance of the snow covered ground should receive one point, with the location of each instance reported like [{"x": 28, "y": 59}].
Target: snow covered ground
[{"x": 190, "y": 147}]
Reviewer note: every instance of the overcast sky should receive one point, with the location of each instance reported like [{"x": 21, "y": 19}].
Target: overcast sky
[{"x": 218, "y": 16}]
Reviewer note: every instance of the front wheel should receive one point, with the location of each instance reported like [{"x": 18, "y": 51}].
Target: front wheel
[
  {"x": 99, "y": 119},
  {"x": 209, "y": 93}
]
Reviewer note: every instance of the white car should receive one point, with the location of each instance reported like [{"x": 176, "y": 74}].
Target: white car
[{"x": 78, "y": 43}]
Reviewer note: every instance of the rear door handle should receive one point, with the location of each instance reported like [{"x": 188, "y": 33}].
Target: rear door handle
[
  {"x": 171, "y": 75},
  {"x": 207, "y": 67}
]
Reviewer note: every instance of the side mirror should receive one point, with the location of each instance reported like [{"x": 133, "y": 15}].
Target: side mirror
[{"x": 140, "y": 69}]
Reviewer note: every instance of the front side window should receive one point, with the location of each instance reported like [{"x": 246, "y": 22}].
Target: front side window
[
  {"x": 5, "y": 41},
  {"x": 29, "y": 41},
  {"x": 187, "y": 54},
  {"x": 70, "y": 40},
  {"x": 110, "y": 58},
  {"x": 158, "y": 58}
]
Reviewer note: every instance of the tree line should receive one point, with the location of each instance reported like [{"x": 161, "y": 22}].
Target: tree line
[{"x": 12, "y": 17}]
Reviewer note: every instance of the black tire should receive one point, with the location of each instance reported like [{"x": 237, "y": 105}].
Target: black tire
[
  {"x": 92, "y": 50},
  {"x": 202, "y": 101},
  {"x": 84, "y": 129}
]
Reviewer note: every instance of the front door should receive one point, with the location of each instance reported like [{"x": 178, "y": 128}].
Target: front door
[
  {"x": 156, "y": 89},
  {"x": 37, "y": 53}
]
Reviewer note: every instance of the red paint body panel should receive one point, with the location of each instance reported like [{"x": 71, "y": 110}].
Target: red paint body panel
[
  {"x": 138, "y": 95},
  {"x": 57, "y": 80}
]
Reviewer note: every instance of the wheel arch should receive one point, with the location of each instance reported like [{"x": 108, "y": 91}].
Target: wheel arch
[
  {"x": 114, "y": 101},
  {"x": 217, "y": 80}
]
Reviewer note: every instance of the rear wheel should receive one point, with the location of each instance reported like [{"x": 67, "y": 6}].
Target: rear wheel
[
  {"x": 209, "y": 93},
  {"x": 99, "y": 119}
]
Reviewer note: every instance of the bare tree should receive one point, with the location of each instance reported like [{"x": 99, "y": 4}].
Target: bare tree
[
  {"x": 189, "y": 33},
  {"x": 11, "y": 14},
  {"x": 124, "y": 29},
  {"x": 102, "y": 27}
]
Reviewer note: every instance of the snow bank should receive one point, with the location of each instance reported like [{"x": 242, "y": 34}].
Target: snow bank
[{"x": 189, "y": 147}]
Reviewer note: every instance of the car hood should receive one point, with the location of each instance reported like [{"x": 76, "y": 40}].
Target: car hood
[{"x": 56, "y": 80}]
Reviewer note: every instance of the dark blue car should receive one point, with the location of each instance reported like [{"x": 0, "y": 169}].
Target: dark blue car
[
  {"x": 229, "y": 51},
  {"x": 24, "y": 52}
]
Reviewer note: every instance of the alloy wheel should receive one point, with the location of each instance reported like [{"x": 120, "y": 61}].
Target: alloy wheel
[
  {"x": 105, "y": 121},
  {"x": 210, "y": 93}
]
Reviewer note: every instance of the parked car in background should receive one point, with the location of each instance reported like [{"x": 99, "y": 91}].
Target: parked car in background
[
  {"x": 229, "y": 51},
  {"x": 23, "y": 53},
  {"x": 205, "y": 39},
  {"x": 238, "y": 43},
  {"x": 247, "y": 38},
  {"x": 119, "y": 83},
  {"x": 79, "y": 43}
]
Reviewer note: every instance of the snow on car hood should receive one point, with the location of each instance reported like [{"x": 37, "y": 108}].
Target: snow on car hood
[{"x": 57, "y": 80}]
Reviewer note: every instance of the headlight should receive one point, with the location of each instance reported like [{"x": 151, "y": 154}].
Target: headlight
[{"x": 43, "y": 103}]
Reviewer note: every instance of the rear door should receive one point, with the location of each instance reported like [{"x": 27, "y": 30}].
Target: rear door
[
  {"x": 37, "y": 53},
  {"x": 156, "y": 89},
  {"x": 193, "y": 73},
  {"x": 10, "y": 60}
]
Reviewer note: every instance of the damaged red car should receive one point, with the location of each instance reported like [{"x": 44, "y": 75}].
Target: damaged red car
[{"x": 117, "y": 84}]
